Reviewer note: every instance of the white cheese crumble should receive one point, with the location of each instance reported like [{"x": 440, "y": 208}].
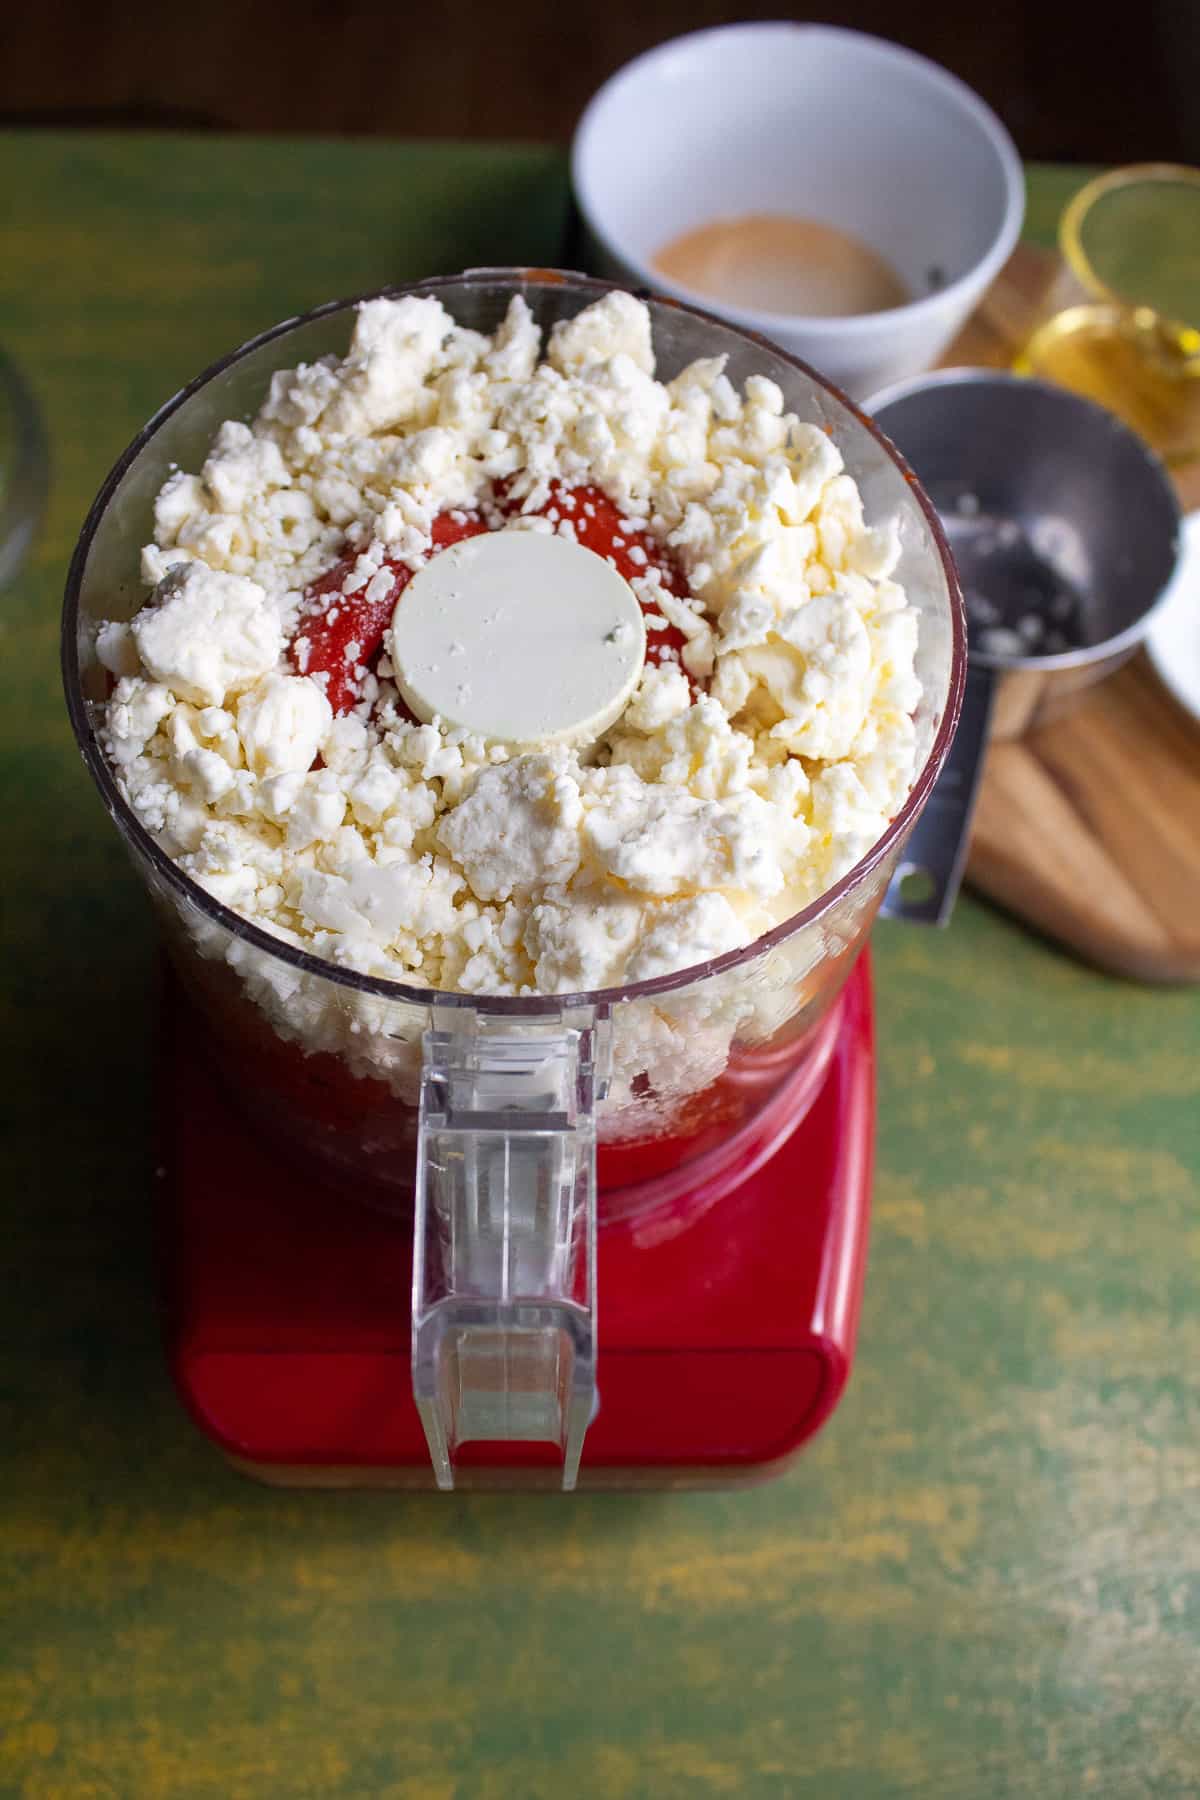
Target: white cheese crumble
[
  {"x": 282, "y": 722},
  {"x": 208, "y": 634},
  {"x": 742, "y": 780}
]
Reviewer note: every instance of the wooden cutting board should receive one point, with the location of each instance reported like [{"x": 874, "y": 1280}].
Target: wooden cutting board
[{"x": 1088, "y": 828}]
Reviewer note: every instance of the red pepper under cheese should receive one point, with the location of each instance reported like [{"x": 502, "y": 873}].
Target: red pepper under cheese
[
  {"x": 331, "y": 623},
  {"x": 340, "y": 635}
]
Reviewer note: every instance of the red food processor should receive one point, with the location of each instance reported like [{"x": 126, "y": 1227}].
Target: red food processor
[{"x": 414, "y": 1238}]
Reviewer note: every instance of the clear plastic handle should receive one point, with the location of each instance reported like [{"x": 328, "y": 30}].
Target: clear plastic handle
[{"x": 504, "y": 1249}]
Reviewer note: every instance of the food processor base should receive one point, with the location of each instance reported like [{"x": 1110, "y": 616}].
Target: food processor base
[{"x": 724, "y": 1343}]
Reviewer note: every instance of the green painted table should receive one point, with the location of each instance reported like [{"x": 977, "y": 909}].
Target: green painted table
[{"x": 983, "y": 1580}]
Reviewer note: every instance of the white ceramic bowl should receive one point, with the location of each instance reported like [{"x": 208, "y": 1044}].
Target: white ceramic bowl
[{"x": 819, "y": 123}]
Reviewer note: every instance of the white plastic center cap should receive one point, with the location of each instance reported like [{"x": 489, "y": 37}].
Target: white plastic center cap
[{"x": 520, "y": 637}]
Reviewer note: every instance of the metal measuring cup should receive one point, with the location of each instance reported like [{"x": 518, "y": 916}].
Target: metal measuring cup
[{"x": 1065, "y": 529}]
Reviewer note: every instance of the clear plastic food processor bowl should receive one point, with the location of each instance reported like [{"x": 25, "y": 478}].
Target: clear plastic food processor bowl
[{"x": 512, "y": 1128}]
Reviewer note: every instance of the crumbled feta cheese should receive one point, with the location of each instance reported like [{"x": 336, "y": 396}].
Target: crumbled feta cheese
[
  {"x": 583, "y": 941},
  {"x": 207, "y": 634},
  {"x": 116, "y": 649},
  {"x": 701, "y": 928},
  {"x": 616, "y": 326},
  {"x": 752, "y": 768},
  {"x": 518, "y": 828},
  {"x": 663, "y": 840},
  {"x": 663, "y": 694},
  {"x": 282, "y": 722},
  {"x": 241, "y": 466}
]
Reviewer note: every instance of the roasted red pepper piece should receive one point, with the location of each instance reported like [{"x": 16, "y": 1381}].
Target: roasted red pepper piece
[
  {"x": 330, "y": 621},
  {"x": 598, "y": 527}
]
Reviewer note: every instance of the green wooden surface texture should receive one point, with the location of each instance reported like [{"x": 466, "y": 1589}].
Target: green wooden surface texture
[{"x": 982, "y": 1580}]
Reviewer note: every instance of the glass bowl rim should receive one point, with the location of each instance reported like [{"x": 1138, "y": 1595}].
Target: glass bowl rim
[
  {"x": 23, "y": 494},
  {"x": 1072, "y": 226}
]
